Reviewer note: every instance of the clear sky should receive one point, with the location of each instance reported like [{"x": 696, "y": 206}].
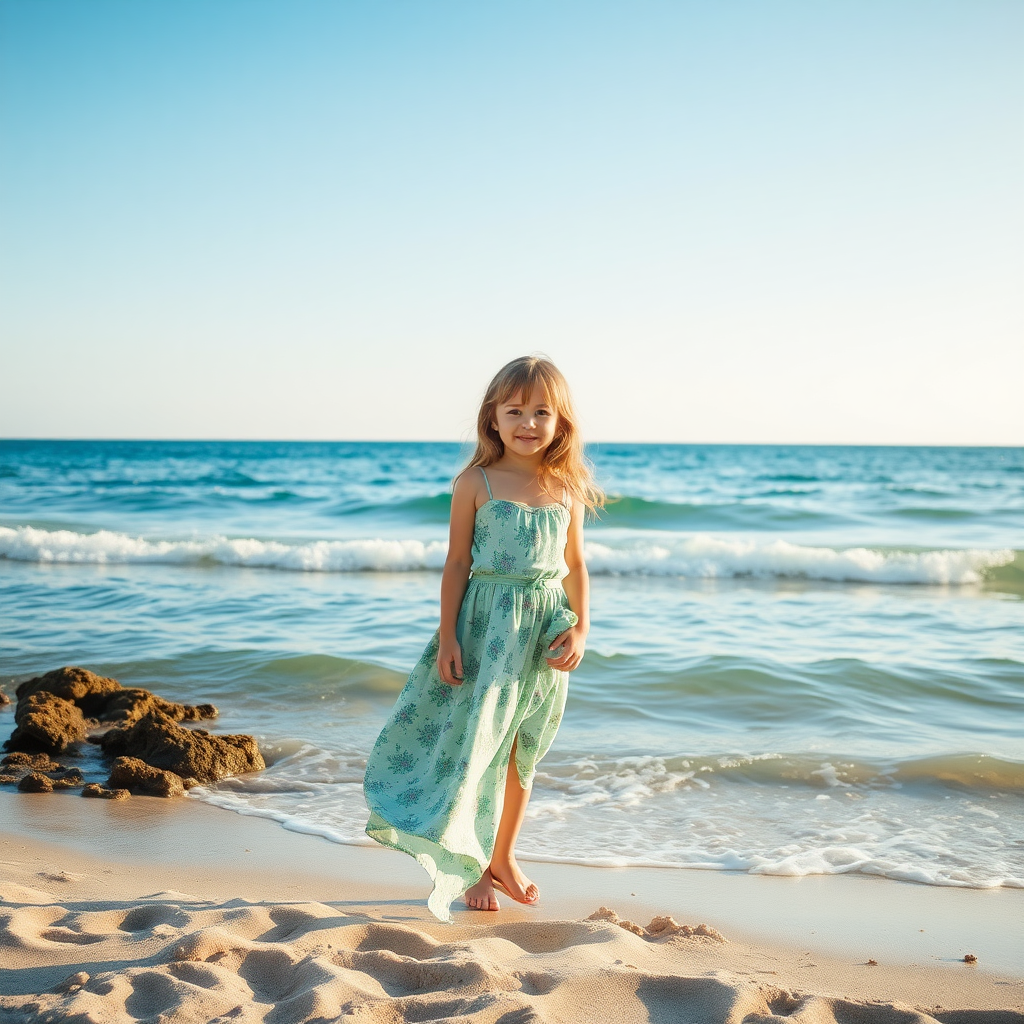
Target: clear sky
[{"x": 737, "y": 221}]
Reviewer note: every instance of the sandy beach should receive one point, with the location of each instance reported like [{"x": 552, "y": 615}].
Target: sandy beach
[
  {"x": 159, "y": 910},
  {"x": 400, "y": 400}
]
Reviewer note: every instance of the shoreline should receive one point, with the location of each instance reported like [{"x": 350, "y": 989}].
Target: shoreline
[{"x": 812, "y": 934}]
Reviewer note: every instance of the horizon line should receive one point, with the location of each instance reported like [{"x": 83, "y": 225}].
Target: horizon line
[{"x": 470, "y": 443}]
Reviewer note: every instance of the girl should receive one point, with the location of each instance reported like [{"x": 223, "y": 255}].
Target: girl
[{"x": 449, "y": 777}]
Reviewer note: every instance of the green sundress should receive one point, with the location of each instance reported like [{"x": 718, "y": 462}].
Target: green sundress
[{"x": 435, "y": 779}]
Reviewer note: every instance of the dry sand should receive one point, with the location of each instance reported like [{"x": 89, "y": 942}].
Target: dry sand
[{"x": 176, "y": 911}]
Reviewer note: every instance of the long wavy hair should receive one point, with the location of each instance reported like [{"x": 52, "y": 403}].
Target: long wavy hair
[{"x": 565, "y": 464}]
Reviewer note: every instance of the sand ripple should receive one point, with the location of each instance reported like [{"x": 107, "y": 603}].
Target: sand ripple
[{"x": 282, "y": 963}]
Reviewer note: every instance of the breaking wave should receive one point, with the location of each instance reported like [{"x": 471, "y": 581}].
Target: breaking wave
[
  {"x": 697, "y": 556},
  {"x": 854, "y": 815},
  {"x": 708, "y": 557},
  {"x": 28, "y": 544}
]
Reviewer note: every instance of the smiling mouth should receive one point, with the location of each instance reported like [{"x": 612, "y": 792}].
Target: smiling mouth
[{"x": 526, "y": 437}]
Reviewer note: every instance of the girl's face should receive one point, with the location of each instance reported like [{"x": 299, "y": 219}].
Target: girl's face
[{"x": 526, "y": 423}]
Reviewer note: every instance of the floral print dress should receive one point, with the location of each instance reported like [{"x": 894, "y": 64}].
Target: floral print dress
[{"x": 435, "y": 779}]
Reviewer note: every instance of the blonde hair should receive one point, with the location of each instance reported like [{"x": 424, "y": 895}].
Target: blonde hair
[{"x": 564, "y": 461}]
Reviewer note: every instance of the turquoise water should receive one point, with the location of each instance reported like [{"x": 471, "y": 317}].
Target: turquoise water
[{"x": 803, "y": 660}]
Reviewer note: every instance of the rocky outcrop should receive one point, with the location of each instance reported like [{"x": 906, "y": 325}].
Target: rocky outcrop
[
  {"x": 37, "y": 773},
  {"x": 138, "y": 777},
  {"x": 35, "y": 782},
  {"x": 71, "y": 778},
  {"x": 47, "y": 722},
  {"x": 94, "y": 789},
  {"x": 107, "y": 700},
  {"x": 127, "y": 706},
  {"x": 189, "y": 753},
  {"x": 21, "y": 760},
  {"x": 4, "y": 699},
  {"x": 154, "y": 754},
  {"x": 80, "y": 686}
]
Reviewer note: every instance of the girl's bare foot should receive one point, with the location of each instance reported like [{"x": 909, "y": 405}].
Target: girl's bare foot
[
  {"x": 511, "y": 880},
  {"x": 482, "y": 896}
]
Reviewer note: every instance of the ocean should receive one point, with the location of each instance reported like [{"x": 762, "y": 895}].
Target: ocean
[{"x": 803, "y": 660}]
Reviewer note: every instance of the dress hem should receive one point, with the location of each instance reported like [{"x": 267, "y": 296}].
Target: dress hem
[{"x": 440, "y": 864}]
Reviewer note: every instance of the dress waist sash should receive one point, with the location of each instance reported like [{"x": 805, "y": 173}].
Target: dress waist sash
[{"x": 529, "y": 582}]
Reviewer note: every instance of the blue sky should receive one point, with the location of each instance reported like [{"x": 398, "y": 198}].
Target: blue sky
[{"x": 742, "y": 221}]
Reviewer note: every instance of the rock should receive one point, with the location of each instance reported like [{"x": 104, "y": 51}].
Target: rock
[
  {"x": 128, "y": 705},
  {"x": 154, "y": 754},
  {"x": 35, "y": 782},
  {"x": 107, "y": 700},
  {"x": 25, "y": 761},
  {"x": 67, "y": 780},
  {"x": 195, "y": 753},
  {"x": 138, "y": 777},
  {"x": 20, "y": 765},
  {"x": 80, "y": 686},
  {"x": 4, "y": 699},
  {"x": 96, "y": 790},
  {"x": 46, "y": 722}
]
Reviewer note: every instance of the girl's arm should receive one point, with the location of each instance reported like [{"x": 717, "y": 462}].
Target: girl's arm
[
  {"x": 577, "y": 590},
  {"x": 455, "y": 577}
]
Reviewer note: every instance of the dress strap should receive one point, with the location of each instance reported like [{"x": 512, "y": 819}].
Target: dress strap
[{"x": 488, "y": 482}]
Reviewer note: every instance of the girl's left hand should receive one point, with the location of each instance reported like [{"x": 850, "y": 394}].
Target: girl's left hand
[{"x": 573, "y": 641}]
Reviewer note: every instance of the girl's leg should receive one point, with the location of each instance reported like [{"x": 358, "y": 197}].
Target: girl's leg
[{"x": 503, "y": 864}]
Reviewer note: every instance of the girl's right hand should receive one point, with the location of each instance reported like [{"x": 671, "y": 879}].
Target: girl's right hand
[{"x": 448, "y": 654}]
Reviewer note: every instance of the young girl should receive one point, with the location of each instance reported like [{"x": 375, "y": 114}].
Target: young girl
[{"x": 449, "y": 778}]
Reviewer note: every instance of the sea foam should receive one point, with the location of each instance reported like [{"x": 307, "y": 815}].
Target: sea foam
[
  {"x": 705, "y": 556},
  {"x": 697, "y": 812},
  {"x": 27, "y": 544},
  {"x": 696, "y": 556}
]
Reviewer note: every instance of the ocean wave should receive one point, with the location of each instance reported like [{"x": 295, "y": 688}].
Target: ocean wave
[
  {"x": 841, "y": 697},
  {"x": 623, "y": 510},
  {"x": 247, "y": 678},
  {"x": 854, "y": 816},
  {"x": 630, "y": 781},
  {"x": 631, "y": 511},
  {"x": 697, "y": 556},
  {"x": 433, "y": 508},
  {"x": 708, "y": 557},
  {"x": 823, "y": 860},
  {"x": 847, "y": 699},
  {"x": 28, "y": 544}
]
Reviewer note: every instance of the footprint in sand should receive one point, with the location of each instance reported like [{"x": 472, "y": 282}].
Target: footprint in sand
[
  {"x": 60, "y": 876},
  {"x": 398, "y": 939},
  {"x": 70, "y": 937},
  {"x": 144, "y": 919}
]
